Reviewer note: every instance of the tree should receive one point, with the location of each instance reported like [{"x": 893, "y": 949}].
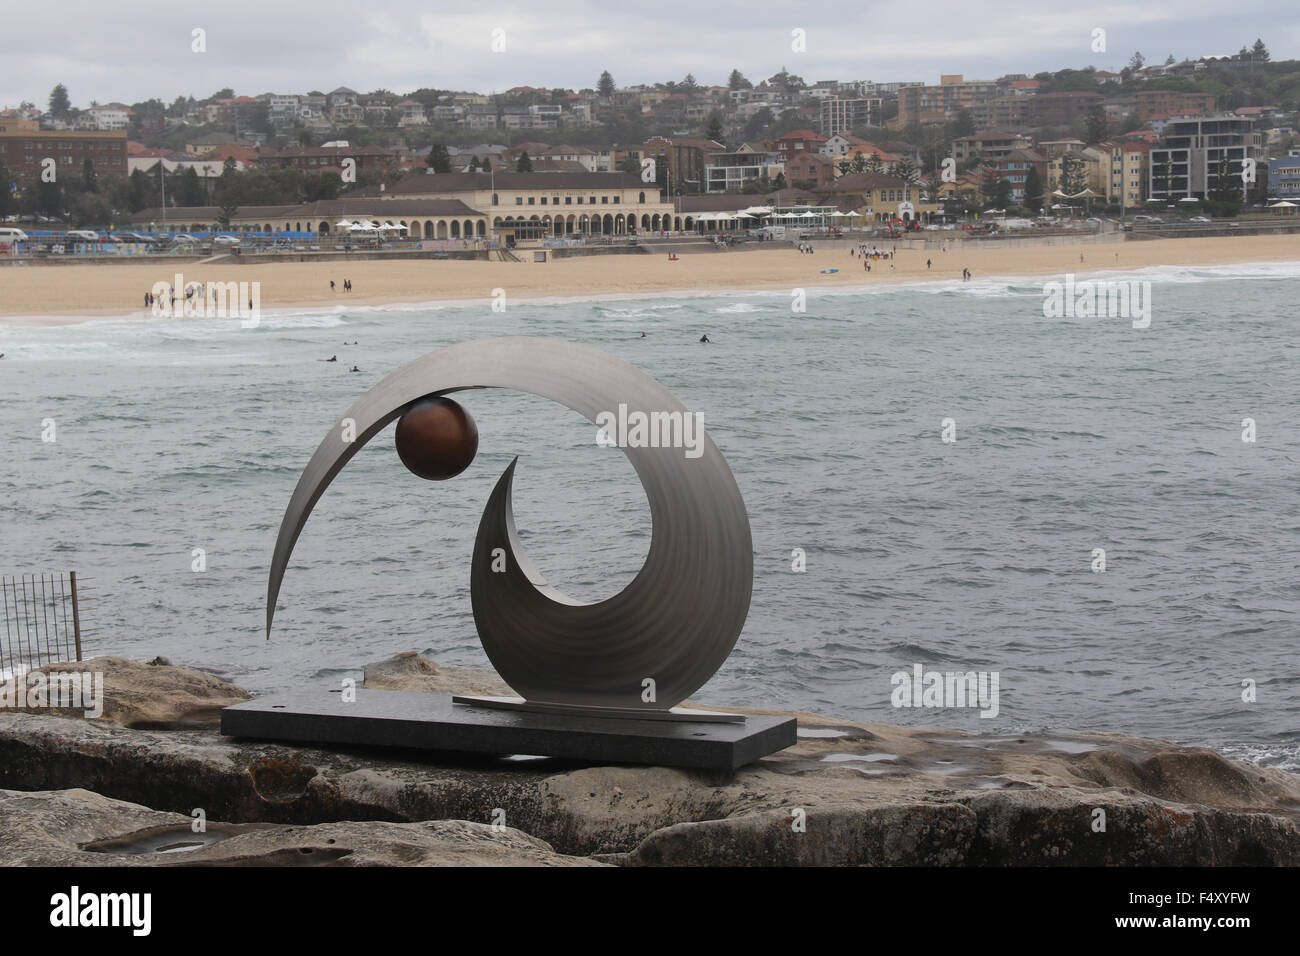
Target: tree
[
  {"x": 1072, "y": 175},
  {"x": 1169, "y": 60},
  {"x": 6, "y": 191},
  {"x": 963, "y": 123},
  {"x": 47, "y": 199},
  {"x": 439, "y": 158},
  {"x": 1260, "y": 50},
  {"x": 737, "y": 81},
  {"x": 60, "y": 106},
  {"x": 326, "y": 184},
  {"x": 714, "y": 131},
  {"x": 779, "y": 182},
  {"x": 758, "y": 123},
  {"x": 786, "y": 80},
  {"x": 1034, "y": 190},
  {"x": 905, "y": 170},
  {"x": 991, "y": 188},
  {"x": 227, "y": 193},
  {"x": 688, "y": 85},
  {"x": 606, "y": 85},
  {"x": 1137, "y": 61},
  {"x": 89, "y": 181},
  {"x": 1228, "y": 186},
  {"x": 630, "y": 164},
  {"x": 91, "y": 209},
  {"x": 228, "y": 93},
  {"x": 1098, "y": 128},
  {"x": 190, "y": 191},
  {"x": 525, "y": 165}
]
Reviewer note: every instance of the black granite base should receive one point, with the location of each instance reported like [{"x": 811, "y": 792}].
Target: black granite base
[{"x": 416, "y": 720}]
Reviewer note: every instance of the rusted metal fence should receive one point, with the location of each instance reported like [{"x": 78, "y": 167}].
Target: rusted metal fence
[{"x": 42, "y": 621}]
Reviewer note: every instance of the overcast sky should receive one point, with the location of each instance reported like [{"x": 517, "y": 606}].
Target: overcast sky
[{"x": 137, "y": 49}]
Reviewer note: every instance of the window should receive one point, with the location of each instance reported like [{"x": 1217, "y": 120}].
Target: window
[
  {"x": 604, "y": 200},
  {"x": 617, "y": 200},
  {"x": 591, "y": 201},
  {"x": 530, "y": 202},
  {"x": 642, "y": 199},
  {"x": 496, "y": 200},
  {"x": 579, "y": 200},
  {"x": 519, "y": 200},
  {"x": 568, "y": 200},
  {"x": 555, "y": 201}
]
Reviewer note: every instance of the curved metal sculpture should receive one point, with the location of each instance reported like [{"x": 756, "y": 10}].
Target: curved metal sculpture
[{"x": 678, "y": 619}]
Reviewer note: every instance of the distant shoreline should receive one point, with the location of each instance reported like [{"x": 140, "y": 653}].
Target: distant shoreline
[{"x": 73, "y": 294}]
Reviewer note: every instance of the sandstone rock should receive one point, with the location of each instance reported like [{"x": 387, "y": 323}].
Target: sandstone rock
[
  {"x": 847, "y": 793},
  {"x": 136, "y": 694},
  {"x": 80, "y": 828},
  {"x": 412, "y": 671}
]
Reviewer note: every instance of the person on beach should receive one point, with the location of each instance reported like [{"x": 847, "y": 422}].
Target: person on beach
[
  {"x": 927, "y": 263},
  {"x": 331, "y": 285}
]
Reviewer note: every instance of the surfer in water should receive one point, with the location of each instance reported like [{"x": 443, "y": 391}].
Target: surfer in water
[
  {"x": 332, "y": 358},
  {"x": 705, "y": 338}
]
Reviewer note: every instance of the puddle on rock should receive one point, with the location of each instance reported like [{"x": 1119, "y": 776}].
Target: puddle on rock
[
  {"x": 1000, "y": 783},
  {"x": 868, "y": 758},
  {"x": 822, "y": 732},
  {"x": 1072, "y": 746},
  {"x": 177, "y": 839}
]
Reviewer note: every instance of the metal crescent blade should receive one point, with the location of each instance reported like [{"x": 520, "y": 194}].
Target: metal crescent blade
[{"x": 674, "y": 624}]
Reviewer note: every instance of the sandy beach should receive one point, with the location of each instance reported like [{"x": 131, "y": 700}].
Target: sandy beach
[{"x": 49, "y": 294}]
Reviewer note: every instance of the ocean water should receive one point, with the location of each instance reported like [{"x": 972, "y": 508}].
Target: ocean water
[{"x": 975, "y": 554}]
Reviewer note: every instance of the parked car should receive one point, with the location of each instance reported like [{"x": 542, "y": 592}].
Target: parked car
[
  {"x": 1200, "y": 219},
  {"x": 1147, "y": 219}
]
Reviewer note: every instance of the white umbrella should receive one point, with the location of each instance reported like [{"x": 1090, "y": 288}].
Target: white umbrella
[{"x": 1283, "y": 204}]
